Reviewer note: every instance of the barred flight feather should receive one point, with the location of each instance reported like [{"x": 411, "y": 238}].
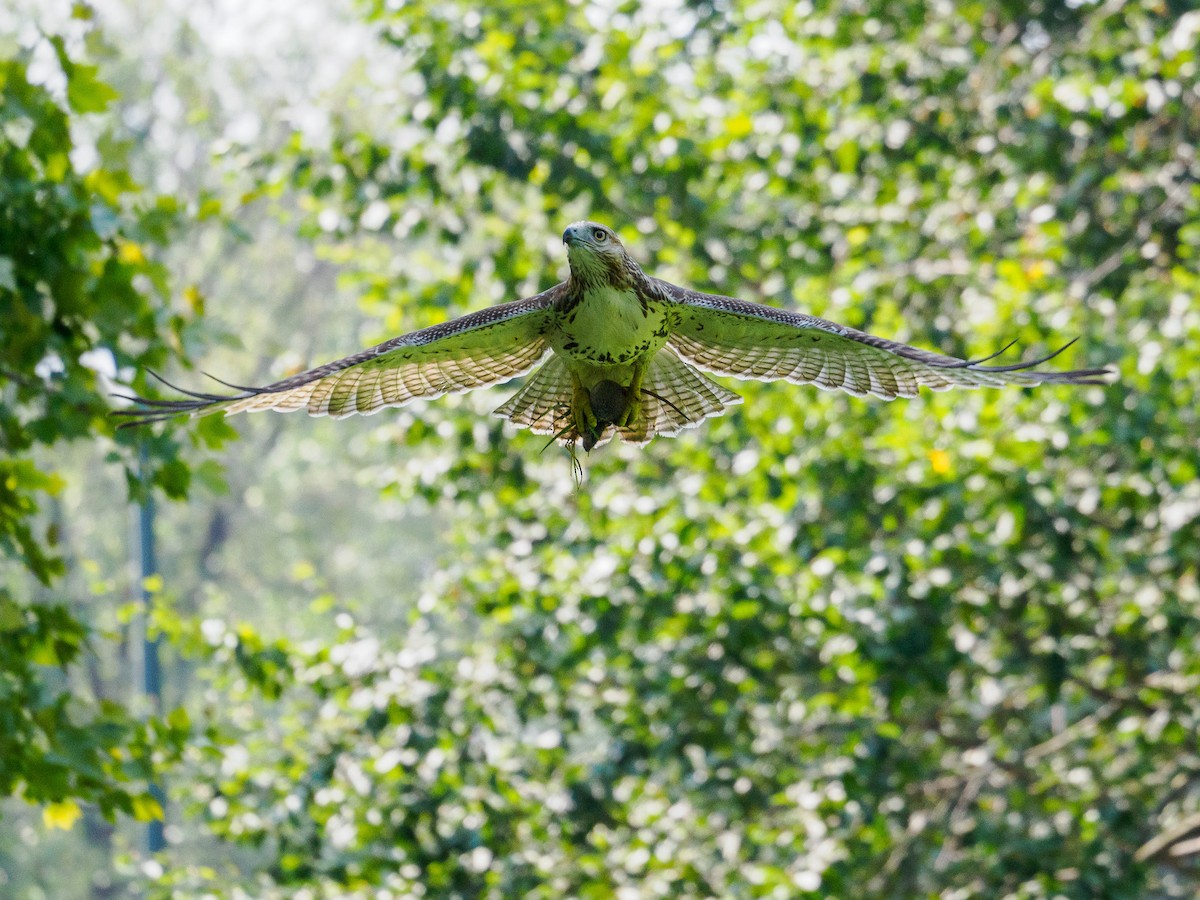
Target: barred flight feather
[
  {"x": 480, "y": 349},
  {"x": 748, "y": 340}
]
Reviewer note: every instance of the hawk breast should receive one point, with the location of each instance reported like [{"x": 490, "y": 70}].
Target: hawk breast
[{"x": 611, "y": 326}]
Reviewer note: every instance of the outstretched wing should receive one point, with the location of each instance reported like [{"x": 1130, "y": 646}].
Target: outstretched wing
[
  {"x": 749, "y": 340},
  {"x": 477, "y": 350}
]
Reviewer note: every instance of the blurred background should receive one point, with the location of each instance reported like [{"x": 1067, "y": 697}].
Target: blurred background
[{"x": 823, "y": 646}]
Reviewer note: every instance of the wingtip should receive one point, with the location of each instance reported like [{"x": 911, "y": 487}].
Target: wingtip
[
  {"x": 149, "y": 410},
  {"x": 1095, "y": 376}
]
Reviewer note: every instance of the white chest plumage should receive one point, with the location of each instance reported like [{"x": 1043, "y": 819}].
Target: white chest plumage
[{"x": 610, "y": 327}]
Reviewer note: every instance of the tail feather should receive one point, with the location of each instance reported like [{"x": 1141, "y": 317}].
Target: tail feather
[
  {"x": 674, "y": 397},
  {"x": 543, "y": 405}
]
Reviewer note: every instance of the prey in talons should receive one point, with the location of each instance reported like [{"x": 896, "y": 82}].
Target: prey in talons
[{"x": 606, "y": 403}]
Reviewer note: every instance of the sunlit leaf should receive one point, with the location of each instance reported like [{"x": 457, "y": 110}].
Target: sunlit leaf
[{"x": 62, "y": 815}]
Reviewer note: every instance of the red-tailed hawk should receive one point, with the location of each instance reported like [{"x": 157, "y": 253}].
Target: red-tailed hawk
[{"x": 620, "y": 352}]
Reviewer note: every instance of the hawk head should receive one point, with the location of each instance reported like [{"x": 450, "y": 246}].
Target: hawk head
[{"x": 596, "y": 255}]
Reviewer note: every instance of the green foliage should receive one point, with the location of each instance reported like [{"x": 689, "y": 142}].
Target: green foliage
[
  {"x": 56, "y": 747},
  {"x": 822, "y": 646},
  {"x": 81, "y": 298},
  {"x": 74, "y": 248}
]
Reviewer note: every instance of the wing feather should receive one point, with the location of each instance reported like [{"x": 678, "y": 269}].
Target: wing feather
[
  {"x": 749, "y": 340},
  {"x": 476, "y": 350}
]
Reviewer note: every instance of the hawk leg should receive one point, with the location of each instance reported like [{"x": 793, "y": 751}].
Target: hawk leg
[
  {"x": 581, "y": 408},
  {"x": 633, "y": 410}
]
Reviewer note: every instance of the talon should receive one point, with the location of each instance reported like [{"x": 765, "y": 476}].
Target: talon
[{"x": 633, "y": 412}]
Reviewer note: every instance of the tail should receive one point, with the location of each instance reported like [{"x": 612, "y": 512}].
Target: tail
[
  {"x": 543, "y": 405},
  {"x": 674, "y": 397}
]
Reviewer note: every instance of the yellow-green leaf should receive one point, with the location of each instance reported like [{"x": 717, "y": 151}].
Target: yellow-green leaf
[
  {"x": 61, "y": 815},
  {"x": 147, "y": 809}
]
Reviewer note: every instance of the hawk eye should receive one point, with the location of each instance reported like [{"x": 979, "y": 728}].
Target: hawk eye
[{"x": 599, "y": 235}]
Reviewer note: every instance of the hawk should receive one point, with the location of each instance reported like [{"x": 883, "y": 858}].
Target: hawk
[{"x": 623, "y": 354}]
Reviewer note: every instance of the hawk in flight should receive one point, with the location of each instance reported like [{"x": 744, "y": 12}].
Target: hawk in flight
[{"x": 621, "y": 352}]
